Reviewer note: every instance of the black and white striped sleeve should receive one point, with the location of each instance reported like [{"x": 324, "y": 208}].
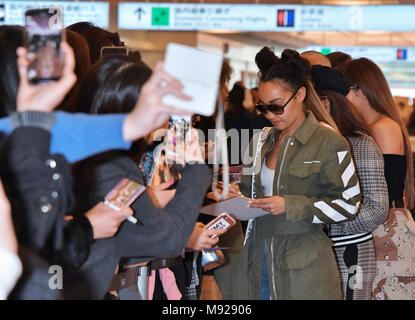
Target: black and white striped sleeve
[{"x": 339, "y": 192}]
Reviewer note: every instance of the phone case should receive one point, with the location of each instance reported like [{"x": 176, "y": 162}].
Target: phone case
[
  {"x": 44, "y": 35},
  {"x": 124, "y": 194},
  {"x": 223, "y": 221},
  {"x": 212, "y": 259}
]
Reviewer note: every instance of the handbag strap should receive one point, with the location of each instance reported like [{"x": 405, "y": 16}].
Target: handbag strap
[
  {"x": 221, "y": 147},
  {"x": 261, "y": 140}
]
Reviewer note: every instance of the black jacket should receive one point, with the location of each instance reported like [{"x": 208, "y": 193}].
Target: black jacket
[
  {"x": 38, "y": 186},
  {"x": 162, "y": 232}
]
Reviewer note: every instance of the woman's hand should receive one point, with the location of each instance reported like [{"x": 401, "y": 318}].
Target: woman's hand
[
  {"x": 160, "y": 195},
  {"x": 150, "y": 112},
  {"x": 200, "y": 238},
  {"x": 106, "y": 221},
  {"x": 8, "y": 239},
  {"x": 44, "y": 97},
  {"x": 275, "y": 204},
  {"x": 234, "y": 191}
]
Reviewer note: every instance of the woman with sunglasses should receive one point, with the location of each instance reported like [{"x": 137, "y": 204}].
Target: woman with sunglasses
[
  {"x": 353, "y": 240},
  {"x": 395, "y": 239},
  {"x": 303, "y": 174}
]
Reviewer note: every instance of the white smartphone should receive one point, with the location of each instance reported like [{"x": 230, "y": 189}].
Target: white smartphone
[{"x": 199, "y": 72}]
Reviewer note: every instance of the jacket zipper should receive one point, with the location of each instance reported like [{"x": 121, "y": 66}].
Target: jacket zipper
[
  {"x": 272, "y": 239},
  {"x": 282, "y": 164}
]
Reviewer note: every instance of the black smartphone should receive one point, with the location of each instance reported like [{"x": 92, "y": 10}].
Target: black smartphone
[
  {"x": 106, "y": 51},
  {"x": 44, "y": 34}
]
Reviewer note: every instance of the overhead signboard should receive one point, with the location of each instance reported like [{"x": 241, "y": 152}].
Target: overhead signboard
[
  {"x": 159, "y": 16},
  {"x": 264, "y": 18},
  {"x": 12, "y": 12},
  {"x": 378, "y": 54}
]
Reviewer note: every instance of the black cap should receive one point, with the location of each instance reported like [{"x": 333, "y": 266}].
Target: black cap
[{"x": 326, "y": 78}]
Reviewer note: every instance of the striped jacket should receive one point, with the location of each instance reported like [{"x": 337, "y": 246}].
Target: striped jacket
[
  {"x": 375, "y": 200},
  {"x": 316, "y": 175}
]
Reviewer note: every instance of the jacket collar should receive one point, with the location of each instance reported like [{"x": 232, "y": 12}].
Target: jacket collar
[
  {"x": 307, "y": 129},
  {"x": 304, "y": 132}
]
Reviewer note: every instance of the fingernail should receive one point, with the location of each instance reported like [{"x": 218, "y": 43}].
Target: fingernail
[{"x": 170, "y": 183}]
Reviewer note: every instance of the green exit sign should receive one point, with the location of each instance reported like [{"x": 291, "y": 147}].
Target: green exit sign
[
  {"x": 160, "y": 16},
  {"x": 325, "y": 51}
]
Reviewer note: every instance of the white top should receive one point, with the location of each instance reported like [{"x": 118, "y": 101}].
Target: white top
[
  {"x": 267, "y": 179},
  {"x": 10, "y": 271}
]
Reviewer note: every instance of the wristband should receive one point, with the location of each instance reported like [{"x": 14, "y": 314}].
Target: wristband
[{"x": 38, "y": 119}]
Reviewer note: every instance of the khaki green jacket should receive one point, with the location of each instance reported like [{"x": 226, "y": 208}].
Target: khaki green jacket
[{"x": 315, "y": 174}]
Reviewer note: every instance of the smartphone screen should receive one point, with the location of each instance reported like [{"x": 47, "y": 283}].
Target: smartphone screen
[
  {"x": 180, "y": 126},
  {"x": 43, "y": 39},
  {"x": 106, "y": 51}
]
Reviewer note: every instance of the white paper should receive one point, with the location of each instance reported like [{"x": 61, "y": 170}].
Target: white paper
[
  {"x": 235, "y": 207},
  {"x": 199, "y": 72}
]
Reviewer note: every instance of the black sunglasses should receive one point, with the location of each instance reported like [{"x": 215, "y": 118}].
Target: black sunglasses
[{"x": 274, "y": 108}]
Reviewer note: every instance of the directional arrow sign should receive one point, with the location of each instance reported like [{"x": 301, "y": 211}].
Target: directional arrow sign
[{"x": 140, "y": 12}]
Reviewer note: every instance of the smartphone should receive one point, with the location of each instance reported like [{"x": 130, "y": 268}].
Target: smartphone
[
  {"x": 223, "y": 221},
  {"x": 180, "y": 126},
  {"x": 124, "y": 194},
  {"x": 44, "y": 34},
  {"x": 106, "y": 51}
]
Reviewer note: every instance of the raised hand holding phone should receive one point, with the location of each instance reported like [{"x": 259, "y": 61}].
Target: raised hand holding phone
[
  {"x": 150, "y": 112},
  {"x": 44, "y": 97},
  {"x": 202, "y": 238}
]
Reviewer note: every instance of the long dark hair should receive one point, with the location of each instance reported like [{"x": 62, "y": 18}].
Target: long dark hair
[
  {"x": 11, "y": 37},
  {"x": 338, "y": 59},
  {"x": 295, "y": 71},
  {"x": 371, "y": 80},
  {"x": 236, "y": 98},
  {"x": 83, "y": 64},
  {"x": 344, "y": 114},
  {"x": 331, "y": 84},
  {"x": 96, "y": 38},
  {"x": 113, "y": 85}
]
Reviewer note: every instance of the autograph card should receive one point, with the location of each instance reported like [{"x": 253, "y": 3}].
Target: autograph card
[{"x": 199, "y": 72}]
